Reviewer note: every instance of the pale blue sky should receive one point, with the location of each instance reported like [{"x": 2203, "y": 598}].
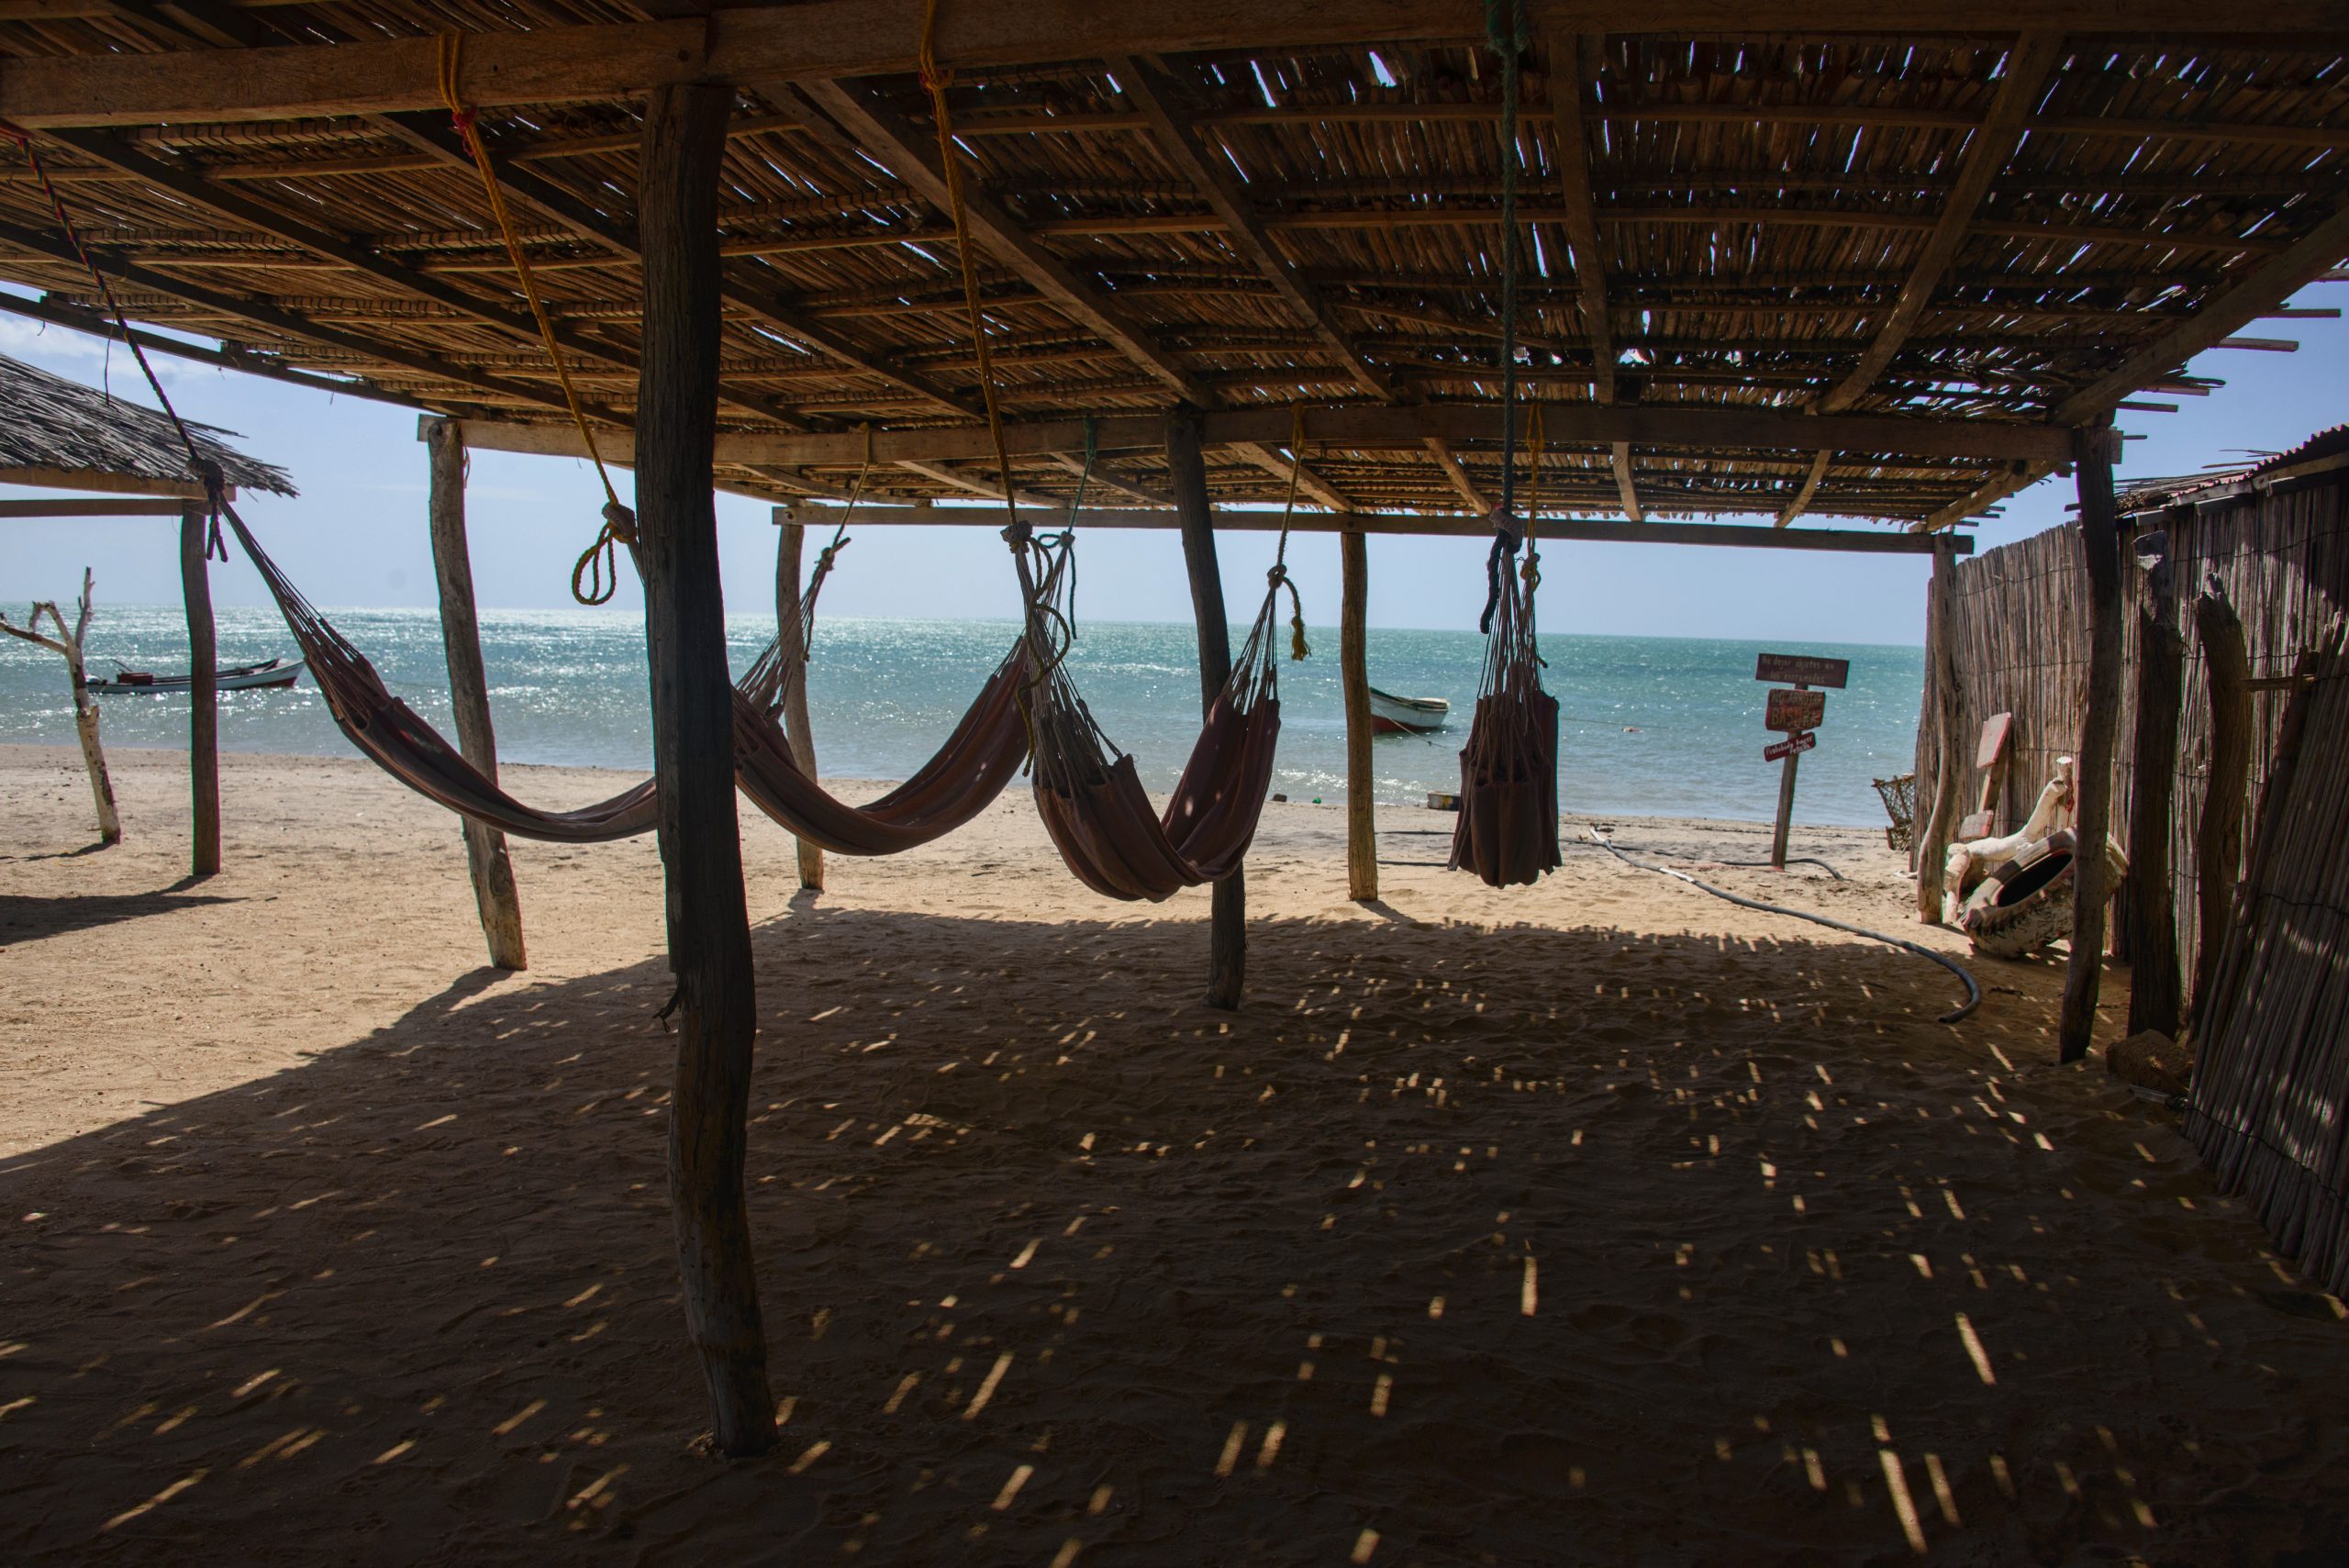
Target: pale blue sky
[{"x": 357, "y": 534}]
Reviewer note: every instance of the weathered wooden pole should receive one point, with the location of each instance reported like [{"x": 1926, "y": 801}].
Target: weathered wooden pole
[
  {"x": 792, "y": 540},
  {"x": 494, "y": 895},
  {"x": 1782, "y": 826},
  {"x": 693, "y": 753},
  {"x": 1227, "y": 917},
  {"x": 2150, "y": 911},
  {"x": 1354, "y": 672},
  {"x": 2218, "y": 837},
  {"x": 204, "y": 695},
  {"x": 2100, "y": 728},
  {"x": 1937, "y": 815}
]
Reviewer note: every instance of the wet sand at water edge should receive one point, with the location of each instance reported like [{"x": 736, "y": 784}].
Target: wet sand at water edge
[{"x": 1600, "y": 1222}]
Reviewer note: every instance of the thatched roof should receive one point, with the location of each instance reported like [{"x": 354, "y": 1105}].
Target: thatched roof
[
  {"x": 2326, "y": 453},
  {"x": 58, "y": 428},
  {"x": 1933, "y": 219}
]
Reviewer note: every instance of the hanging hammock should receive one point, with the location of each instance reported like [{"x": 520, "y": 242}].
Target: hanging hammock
[
  {"x": 1096, "y": 809},
  {"x": 978, "y": 759},
  {"x": 1507, "y": 832}
]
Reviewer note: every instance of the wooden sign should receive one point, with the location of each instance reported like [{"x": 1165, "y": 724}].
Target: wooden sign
[
  {"x": 1779, "y": 751},
  {"x": 1791, "y": 710},
  {"x": 1803, "y": 669}
]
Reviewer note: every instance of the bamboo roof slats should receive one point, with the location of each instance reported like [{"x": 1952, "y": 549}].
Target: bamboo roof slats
[
  {"x": 61, "y": 434},
  {"x": 1179, "y": 204}
]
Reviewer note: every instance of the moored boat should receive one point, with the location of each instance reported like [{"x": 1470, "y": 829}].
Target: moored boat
[
  {"x": 1391, "y": 714},
  {"x": 242, "y": 678}
]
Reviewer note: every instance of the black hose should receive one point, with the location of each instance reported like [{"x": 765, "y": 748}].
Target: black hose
[
  {"x": 1792, "y": 860},
  {"x": 1973, "y": 991}
]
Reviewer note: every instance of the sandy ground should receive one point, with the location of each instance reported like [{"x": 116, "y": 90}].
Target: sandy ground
[{"x": 1597, "y": 1222}]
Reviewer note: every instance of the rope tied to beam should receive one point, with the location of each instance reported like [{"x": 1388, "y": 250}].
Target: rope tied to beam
[
  {"x": 1506, "y": 31},
  {"x": 206, "y": 470},
  {"x": 936, "y": 81},
  {"x": 597, "y": 576},
  {"x": 1278, "y": 577}
]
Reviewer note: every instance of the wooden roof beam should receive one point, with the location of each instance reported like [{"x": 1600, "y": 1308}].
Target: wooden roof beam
[
  {"x": 1421, "y": 524},
  {"x": 1575, "y": 59},
  {"x": 1346, "y": 427},
  {"x": 1809, "y": 487},
  {"x": 1264, "y": 456},
  {"x": 581, "y": 217},
  {"x": 1153, "y": 93},
  {"x": 904, "y": 150},
  {"x": 1619, "y": 457},
  {"x": 2268, "y": 286},
  {"x": 827, "y": 39},
  {"x": 2021, "y": 476},
  {"x": 292, "y": 324},
  {"x": 2030, "y": 64},
  {"x": 1441, "y": 449}
]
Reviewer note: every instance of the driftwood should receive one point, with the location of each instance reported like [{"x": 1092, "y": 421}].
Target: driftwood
[
  {"x": 2148, "y": 916},
  {"x": 1944, "y": 712},
  {"x": 797, "y": 730},
  {"x": 2093, "y": 880},
  {"x": 495, "y": 895},
  {"x": 1962, "y": 864},
  {"x": 2226, "y": 660},
  {"x": 68, "y": 643}
]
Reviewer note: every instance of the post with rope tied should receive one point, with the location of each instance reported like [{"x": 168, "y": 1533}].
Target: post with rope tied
[
  {"x": 1187, "y": 471},
  {"x": 715, "y": 1004}
]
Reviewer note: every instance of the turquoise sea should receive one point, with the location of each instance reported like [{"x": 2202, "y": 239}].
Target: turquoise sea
[{"x": 1655, "y": 726}]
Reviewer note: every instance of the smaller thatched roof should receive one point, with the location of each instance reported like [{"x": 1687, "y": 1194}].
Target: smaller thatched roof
[
  {"x": 2326, "y": 452},
  {"x": 58, "y": 428}
]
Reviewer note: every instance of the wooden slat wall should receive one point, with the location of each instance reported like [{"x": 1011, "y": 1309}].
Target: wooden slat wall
[{"x": 2021, "y": 636}]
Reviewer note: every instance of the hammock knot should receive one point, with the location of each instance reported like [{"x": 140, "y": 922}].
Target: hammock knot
[
  {"x": 1276, "y": 580},
  {"x": 1018, "y": 533},
  {"x": 619, "y": 523}
]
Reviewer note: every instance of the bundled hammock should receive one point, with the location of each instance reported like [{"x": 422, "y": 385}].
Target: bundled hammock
[
  {"x": 1507, "y": 832},
  {"x": 1095, "y": 808}
]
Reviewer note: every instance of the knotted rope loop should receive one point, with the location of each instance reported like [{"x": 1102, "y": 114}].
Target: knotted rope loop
[
  {"x": 599, "y": 564},
  {"x": 1497, "y": 568},
  {"x": 1275, "y": 580}
]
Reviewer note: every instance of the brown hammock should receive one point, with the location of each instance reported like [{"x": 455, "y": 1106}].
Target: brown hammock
[
  {"x": 978, "y": 759},
  {"x": 1507, "y": 832},
  {"x": 1096, "y": 811}
]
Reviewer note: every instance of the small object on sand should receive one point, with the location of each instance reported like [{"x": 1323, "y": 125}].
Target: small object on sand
[
  {"x": 1442, "y": 800},
  {"x": 2027, "y": 902},
  {"x": 1277, "y": 796},
  {"x": 2151, "y": 1060}
]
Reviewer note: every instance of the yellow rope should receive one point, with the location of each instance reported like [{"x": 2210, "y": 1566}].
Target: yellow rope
[
  {"x": 937, "y": 82},
  {"x": 599, "y": 567}
]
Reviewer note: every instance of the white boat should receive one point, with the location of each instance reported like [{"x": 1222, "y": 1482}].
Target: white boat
[
  {"x": 1391, "y": 714},
  {"x": 241, "y": 678}
]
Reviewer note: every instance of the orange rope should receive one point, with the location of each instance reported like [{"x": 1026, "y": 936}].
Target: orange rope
[
  {"x": 937, "y": 82},
  {"x": 599, "y": 567}
]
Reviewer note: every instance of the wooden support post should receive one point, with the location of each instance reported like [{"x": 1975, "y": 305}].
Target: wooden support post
[
  {"x": 1939, "y": 814},
  {"x": 1228, "y": 920},
  {"x": 493, "y": 870},
  {"x": 2100, "y": 728},
  {"x": 2218, "y": 837},
  {"x": 797, "y": 729},
  {"x": 1354, "y": 672},
  {"x": 204, "y": 697},
  {"x": 693, "y": 756},
  {"x": 2150, "y": 912}
]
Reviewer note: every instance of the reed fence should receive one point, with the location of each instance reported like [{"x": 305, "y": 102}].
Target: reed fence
[
  {"x": 2270, "y": 1104},
  {"x": 2018, "y": 624}
]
